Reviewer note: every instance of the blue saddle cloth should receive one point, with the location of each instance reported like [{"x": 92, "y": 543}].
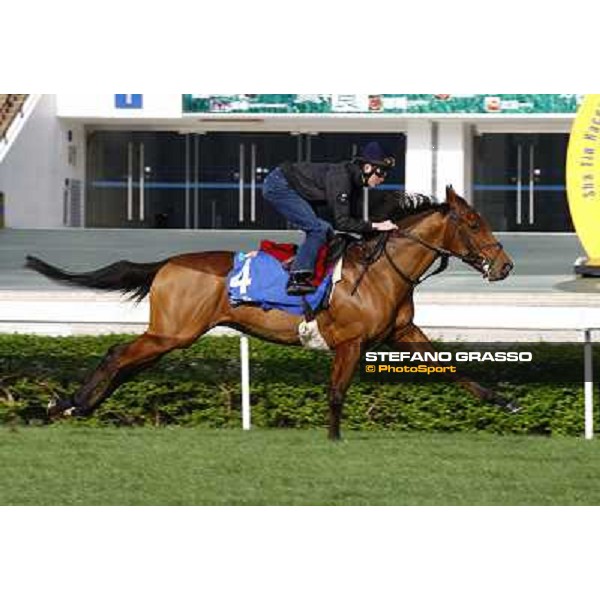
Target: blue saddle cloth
[{"x": 259, "y": 278}]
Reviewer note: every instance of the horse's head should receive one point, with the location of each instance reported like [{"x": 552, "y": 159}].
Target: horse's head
[{"x": 470, "y": 238}]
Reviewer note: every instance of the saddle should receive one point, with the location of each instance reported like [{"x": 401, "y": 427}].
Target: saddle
[{"x": 260, "y": 277}]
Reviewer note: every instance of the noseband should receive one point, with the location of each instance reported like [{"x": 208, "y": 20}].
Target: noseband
[{"x": 473, "y": 256}]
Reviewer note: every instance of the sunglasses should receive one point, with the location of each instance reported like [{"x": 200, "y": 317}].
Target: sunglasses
[{"x": 382, "y": 173}]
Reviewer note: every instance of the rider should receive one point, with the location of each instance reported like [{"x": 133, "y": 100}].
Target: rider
[{"x": 295, "y": 189}]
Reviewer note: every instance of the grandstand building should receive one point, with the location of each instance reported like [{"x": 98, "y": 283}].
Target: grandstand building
[{"x": 192, "y": 161}]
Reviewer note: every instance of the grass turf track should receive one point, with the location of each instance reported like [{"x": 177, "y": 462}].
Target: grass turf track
[{"x": 78, "y": 465}]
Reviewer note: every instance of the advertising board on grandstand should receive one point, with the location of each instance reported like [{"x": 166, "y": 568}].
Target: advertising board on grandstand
[{"x": 382, "y": 103}]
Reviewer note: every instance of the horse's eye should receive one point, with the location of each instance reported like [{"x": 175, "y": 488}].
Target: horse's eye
[{"x": 473, "y": 222}]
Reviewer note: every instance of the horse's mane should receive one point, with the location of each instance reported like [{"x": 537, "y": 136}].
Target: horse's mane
[
  {"x": 394, "y": 206},
  {"x": 400, "y": 205}
]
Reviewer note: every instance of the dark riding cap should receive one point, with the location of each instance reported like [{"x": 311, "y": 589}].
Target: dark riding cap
[{"x": 374, "y": 154}]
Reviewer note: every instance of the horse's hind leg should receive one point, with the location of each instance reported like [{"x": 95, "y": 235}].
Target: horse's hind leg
[
  {"x": 184, "y": 304},
  {"x": 411, "y": 334},
  {"x": 120, "y": 363}
]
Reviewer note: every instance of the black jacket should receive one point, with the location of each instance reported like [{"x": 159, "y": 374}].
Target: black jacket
[{"x": 339, "y": 186}]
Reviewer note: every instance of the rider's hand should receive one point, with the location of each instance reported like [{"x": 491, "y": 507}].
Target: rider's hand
[{"x": 385, "y": 226}]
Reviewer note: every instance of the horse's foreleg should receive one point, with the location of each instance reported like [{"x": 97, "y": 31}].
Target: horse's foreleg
[
  {"x": 118, "y": 365},
  {"x": 411, "y": 334},
  {"x": 346, "y": 358}
]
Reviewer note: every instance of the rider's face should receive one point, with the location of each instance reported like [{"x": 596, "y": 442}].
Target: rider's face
[{"x": 377, "y": 176}]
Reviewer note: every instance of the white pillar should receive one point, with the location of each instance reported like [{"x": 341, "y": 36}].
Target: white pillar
[
  {"x": 419, "y": 157},
  {"x": 455, "y": 159}
]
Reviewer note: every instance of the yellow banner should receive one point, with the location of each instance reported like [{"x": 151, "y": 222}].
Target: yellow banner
[{"x": 583, "y": 176}]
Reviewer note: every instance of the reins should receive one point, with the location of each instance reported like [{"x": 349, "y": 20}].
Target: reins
[
  {"x": 381, "y": 244},
  {"x": 381, "y": 248},
  {"x": 440, "y": 253}
]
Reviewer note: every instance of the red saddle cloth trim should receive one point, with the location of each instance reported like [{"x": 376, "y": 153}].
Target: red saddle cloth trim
[{"x": 286, "y": 252}]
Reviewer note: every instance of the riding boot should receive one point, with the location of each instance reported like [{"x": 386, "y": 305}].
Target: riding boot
[{"x": 300, "y": 284}]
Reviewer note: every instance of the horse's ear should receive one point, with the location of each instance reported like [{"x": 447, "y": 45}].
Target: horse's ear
[{"x": 450, "y": 193}]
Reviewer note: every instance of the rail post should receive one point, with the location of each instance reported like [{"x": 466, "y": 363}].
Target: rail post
[
  {"x": 245, "y": 360},
  {"x": 588, "y": 384}
]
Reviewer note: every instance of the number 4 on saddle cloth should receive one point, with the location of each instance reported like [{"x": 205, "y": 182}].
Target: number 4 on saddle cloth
[{"x": 260, "y": 278}]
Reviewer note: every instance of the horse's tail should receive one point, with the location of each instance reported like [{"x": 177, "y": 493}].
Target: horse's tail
[{"x": 134, "y": 279}]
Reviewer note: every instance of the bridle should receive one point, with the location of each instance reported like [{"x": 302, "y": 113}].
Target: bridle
[
  {"x": 440, "y": 253},
  {"x": 472, "y": 257}
]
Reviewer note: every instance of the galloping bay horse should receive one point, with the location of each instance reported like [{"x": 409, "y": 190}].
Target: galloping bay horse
[{"x": 372, "y": 304}]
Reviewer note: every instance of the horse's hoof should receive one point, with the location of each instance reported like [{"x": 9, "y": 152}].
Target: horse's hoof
[
  {"x": 334, "y": 437},
  {"x": 507, "y": 406},
  {"x": 511, "y": 408},
  {"x": 63, "y": 409}
]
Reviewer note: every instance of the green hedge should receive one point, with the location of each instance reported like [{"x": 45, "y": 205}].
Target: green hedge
[{"x": 200, "y": 386}]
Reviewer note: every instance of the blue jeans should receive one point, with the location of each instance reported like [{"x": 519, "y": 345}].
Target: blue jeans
[{"x": 298, "y": 212}]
